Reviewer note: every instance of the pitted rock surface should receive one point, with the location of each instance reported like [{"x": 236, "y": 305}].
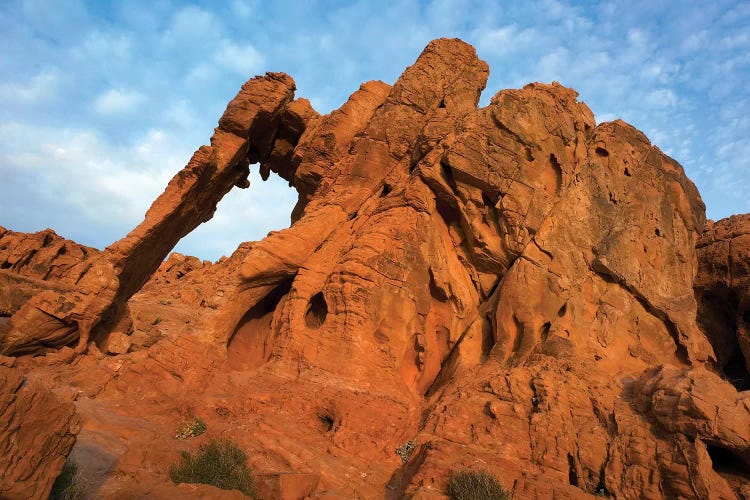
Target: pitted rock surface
[{"x": 506, "y": 288}]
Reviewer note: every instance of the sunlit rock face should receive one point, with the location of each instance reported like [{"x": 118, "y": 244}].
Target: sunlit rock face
[{"x": 507, "y": 288}]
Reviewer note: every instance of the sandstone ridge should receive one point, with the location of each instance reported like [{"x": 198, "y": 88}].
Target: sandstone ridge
[{"x": 506, "y": 288}]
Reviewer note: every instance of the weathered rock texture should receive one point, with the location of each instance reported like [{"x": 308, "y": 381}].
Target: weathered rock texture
[
  {"x": 31, "y": 263},
  {"x": 37, "y": 433},
  {"x": 507, "y": 288},
  {"x": 723, "y": 290},
  {"x": 107, "y": 280}
]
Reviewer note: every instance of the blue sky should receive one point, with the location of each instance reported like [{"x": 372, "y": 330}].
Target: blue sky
[{"x": 102, "y": 102}]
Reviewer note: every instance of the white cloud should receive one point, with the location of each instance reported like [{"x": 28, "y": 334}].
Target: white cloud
[
  {"x": 41, "y": 87},
  {"x": 70, "y": 74},
  {"x": 242, "y": 59},
  {"x": 107, "y": 183},
  {"x": 505, "y": 40},
  {"x": 661, "y": 98},
  {"x": 202, "y": 73},
  {"x": 192, "y": 28},
  {"x": 103, "y": 45},
  {"x": 115, "y": 101}
]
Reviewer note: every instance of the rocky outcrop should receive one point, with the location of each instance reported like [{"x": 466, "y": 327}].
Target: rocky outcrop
[
  {"x": 37, "y": 433},
  {"x": 507, "y": 288},
  {"x": 723, "y": 291},
  {"x": 176, "y": 267},
  {"x": 246, "y": 134},
  {"x": 32, "y": 263}
]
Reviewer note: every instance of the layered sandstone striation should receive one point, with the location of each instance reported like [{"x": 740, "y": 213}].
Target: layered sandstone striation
[
  {"x": 32, "y": 263},
  {"x": 506, "y": 288}
]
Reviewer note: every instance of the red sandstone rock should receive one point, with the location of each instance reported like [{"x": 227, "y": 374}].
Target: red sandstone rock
[
  {"x": 723, "y": 290},
  {"x": 505, "y": 289},
  {"x": 245, "y": 135},
  {"x": 32, "y": 263},
  {"x": 174, "y": 268},
  {"x": 116, "y": 343},
  {"x": 36, "y": 434}
]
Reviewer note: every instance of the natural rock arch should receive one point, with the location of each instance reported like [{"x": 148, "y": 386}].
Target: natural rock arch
[{"x": 260, "y": 125}]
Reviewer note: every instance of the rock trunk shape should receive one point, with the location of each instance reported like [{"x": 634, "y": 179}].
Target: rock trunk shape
[
  {"x": 507, "y": 288},
  {"x": 107, "y": 280}
]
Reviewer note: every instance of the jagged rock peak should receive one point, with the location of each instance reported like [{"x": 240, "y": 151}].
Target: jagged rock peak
[{"x": 507, "y": 288}]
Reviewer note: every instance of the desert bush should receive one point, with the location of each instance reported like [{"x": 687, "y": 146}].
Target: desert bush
[
  {"x": 467, "y": 485},
  {"x": 219, "y": 463},
  {"x": 406, "y": 450},
  {"x": 69, "y": 485},
  {"x": 194, "y": 427}
]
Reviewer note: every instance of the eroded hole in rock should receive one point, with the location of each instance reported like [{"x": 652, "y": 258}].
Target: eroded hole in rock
[
  {"x": 657, "y": 232},
  {"x": 726, "y": 462},
  {"x": 447, "y": 173},
  {"x": 317, "y": 310},
  {"x": 489, "y": 199},
  {"x": 386, "y": 190},
  {"x": 5, "y": 265},
  {"x": 545, "y": 330},
  {"x": 602, "y": 152},
  {"x": 736, "y": 371},
  {"x": 564, "y": 309},
  {"x": 448, "y": 211},
  {"x": 719, "y": 316},
  {"x": 572, "y": 474},
  {"x": 488, "y": 336},
  {"x": 627, "y": 172},
  {"x": 326, "y": 420},
  {"x": 551, "y": 176},
  {"x": 529, "y": 154},
  {"x": 252, "y": 340},
  {"x": 442, "y": 103}
]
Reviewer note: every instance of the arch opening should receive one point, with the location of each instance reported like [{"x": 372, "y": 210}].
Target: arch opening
[{"x": 252, "y": 341}]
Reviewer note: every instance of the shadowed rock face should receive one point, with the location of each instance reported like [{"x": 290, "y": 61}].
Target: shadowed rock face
[
  {"x": 508, "y": 288},
  {"x": 723, "y": 290}
]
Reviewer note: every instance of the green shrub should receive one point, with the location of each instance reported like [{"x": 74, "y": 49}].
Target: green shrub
[
  {"x": 69, "y": 485},
  {"x": 468, "y": 485},
  {"x": 193, "y": 428},
  {"x": 219, "y": 463}
]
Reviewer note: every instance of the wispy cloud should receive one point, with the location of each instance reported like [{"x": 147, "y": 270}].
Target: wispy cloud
[
  {"x": 242, "y": 59},
  {"x": 115, "y": 101},
  {"x": 101, "y": 102},
  {"x": 38, "y": 89}
]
